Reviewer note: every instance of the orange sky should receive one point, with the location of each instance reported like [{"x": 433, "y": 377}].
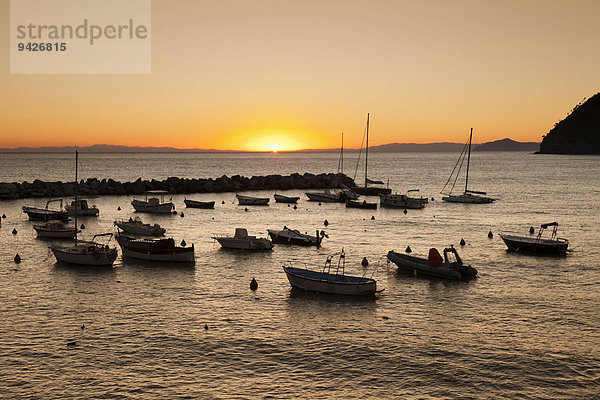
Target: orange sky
[{"x": 272, "y": 74}]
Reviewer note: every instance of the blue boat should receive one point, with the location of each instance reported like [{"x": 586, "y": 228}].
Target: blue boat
[{"x": 434, "y": 266}]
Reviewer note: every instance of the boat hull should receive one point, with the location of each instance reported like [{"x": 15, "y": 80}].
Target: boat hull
[
  {"x": 199, "y": 204},
  {"x": 468, "y": 199},
  {"x": 245, "y": 244},
  {"x": 323, "y": 197},
  {"x": 293, "y": 238},
  {"x": 40, "y": 214},
  {"x": 176, "y": 254},
  {"x": 145, "y": 207},
  {"x": 533, "y": 245},
  {"x": 320, "y": 282},
  {"x": 252, "y": 201},
  {"x": 420, "y": 266},
  {"x": 361, "y": 204},
  {"x": 50, "y": 234},
  {"x": 285, "y": 199},
  {"x": 75, "y": 255}
]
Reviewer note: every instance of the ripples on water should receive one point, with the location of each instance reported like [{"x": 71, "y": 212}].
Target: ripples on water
[{"x": 528, "y": 327}]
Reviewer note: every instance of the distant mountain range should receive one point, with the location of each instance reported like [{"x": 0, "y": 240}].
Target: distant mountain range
[{"x": 498, "y": 145}]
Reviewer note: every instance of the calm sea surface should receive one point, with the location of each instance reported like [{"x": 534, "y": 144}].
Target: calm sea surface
[{"x": 527, "y": 328}]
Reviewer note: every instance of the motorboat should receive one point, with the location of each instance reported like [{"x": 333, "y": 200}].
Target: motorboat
[
  {"x": 154, "y": 203},
  {"x": 468, "y": 196},
  {"x": 327, "y": 281},
  {"x": 199, "y": 204},
  {"x": 54, "y": 229},
  {"x": 403, "y": 201},
  {"x": 328, "y": 196},
  {"x": 82, "y": 208},
  {"x": 279, "y": 198},
  {"x": 137, "y": 227},
  {"x": 163, "y": 250},
  {"x": 85, "y": 253},
  {"x": 241, "y": 241},
  {"x": 46, "y": 214},
  {"x": 537, "y": 244},
  {"x": 434, "y": 266},
  {"x": 361, "y": 204},
  {"x": 252, "y": 201},
  {"x": 369, "y": 190},
  {"x": 293, "y": 236}
]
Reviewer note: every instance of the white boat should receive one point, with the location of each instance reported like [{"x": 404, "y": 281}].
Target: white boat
[
  {"x": 241, "y": 241},
  {"x": 324, "y": 281},
  {"x": 54, "y": 229},
  {"x": 163, "y": 250},
  {"x": 292, "y": 236},
  {"x": 137, "y": 227},
  {"x": 252, "y": 201},
  {"x": 403, "y": 201},
  {"x": 328, "y": 196},
  {"x": 85, "y": 253},
  {"x": 154, "y": 204},
  {"x": 82, "y": 208},
  {"x": 46, "y": 214},
  {"x": 468, "y": 196},
  {"x": 279, "y": 198}
]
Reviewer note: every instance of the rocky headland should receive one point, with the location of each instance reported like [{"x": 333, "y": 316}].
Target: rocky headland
[{"x": 174, "y": 185}]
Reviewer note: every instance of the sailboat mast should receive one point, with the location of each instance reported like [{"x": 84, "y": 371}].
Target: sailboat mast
[
  {"x": 76, "y": 193},
  {"x": 468, "y": 161},
  {"x": 342, "y": 155},
  {"x": 367, "y": 151}
]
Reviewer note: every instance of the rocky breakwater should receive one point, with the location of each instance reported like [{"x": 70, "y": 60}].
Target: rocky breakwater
[{"x": 95, "y": 187}]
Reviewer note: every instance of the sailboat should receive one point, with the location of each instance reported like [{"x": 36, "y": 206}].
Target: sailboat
[
  {"x": 468, "y": 196},
  {"x": 85, "y": 253},
  {"x": 373, "y": 190}
]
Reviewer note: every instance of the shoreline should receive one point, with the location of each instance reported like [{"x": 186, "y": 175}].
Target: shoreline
[{"x": 174, "y": 185}]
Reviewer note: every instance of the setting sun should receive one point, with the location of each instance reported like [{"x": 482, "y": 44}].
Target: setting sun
[{"x": 273, "y": 141}]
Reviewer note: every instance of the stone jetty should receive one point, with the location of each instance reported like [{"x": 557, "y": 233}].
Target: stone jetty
[{"x": 174, "y": 185}]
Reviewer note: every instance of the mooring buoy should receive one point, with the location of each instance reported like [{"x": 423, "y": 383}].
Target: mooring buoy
[
  {"x": 531, "y": 230},
  {"x": 325, "y": 222},
  {"x": 181, "y": 214},
  {"x": 82, "y": 326},
  {"x": 372, "y": 217},
  {"x": 295, "y": 207},
  {"x": 432, "y": 199},
  {"x": 490, "y": 235},
  {"x": 118, "y": 208},
  {"x": 174, "y": 212},
  {"x": 462, "y": 242},
  {"x": 183, "y": 243},
  {"x": 14, "y": 231},
  {"x": 405, "y": 211},
  {"x": 223, "y": 202},
  {"x": 17, "y": 258},
  {"x": 82, "y": 226},
  {"x": 3, "y": 215},
  {"x": 205, "y": 327},
  {"x": 319, "y": 203},
  {"x": 408, "y": 249},
  {"x": 289, "y": 205},
  {"x": 364, "y": 262},
  {"x": 253, "y": 284},
  {"x": 246, "y": 209}
]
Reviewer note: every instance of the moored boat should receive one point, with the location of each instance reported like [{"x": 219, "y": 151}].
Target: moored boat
[
  {"x": 199, "y": 204},
  {"x": 292, "y": 236},
  {"x": 279, "y": 198},
  {"x": 326, "y": 281},
  {"x": 361, "y": 204},
  {"x": 163, "y": 250},
  {"x": 537, "y": 244},
  {"x": 46, "y": 214},
  {"x": 434, "y": 266},
  {"x": 82, "y": 208},
  {"x": 154, "y": 204},
  {"x": 403, "y": 201},
  {"x": 137, "y": 227},
  {"x": 54, "y": 229},
  {"x": 252, "y": 201},
  {"x": 328, "y": 196},
  {"x": 241, "y": 241}
]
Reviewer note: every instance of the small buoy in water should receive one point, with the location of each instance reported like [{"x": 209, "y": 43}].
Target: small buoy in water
[
  {"x": 17, "y": 258},
  {"x": 432, "y": 199},
  {"x": 408, "y": 249},
  {"x": 289, "y": 205},
  {"x": 82, "y": 226},
  {"x": 246, "y": 209},
  {"x": 213, "y": 217},
  {"x": 205, "y": 327},
  {"x": 364, "y": 262},
  {"x": 223, "y": 202},
  {"x": 372, "y": 217},
  {"x": 72, "y": 343},
  {"x": 295, "y": 207},
  {"x": 462, "y": 242},
  {"x": 174, "y": 212},
  {"x": 405, "y": 211},
  {"x": 183, "y": 243},
  {"x": 118, "y": 208},
  {"x": 181, "y": 214},
  {"x": 14, "y": 231},
  {"x": 3, "y": 215},
  {"x": 325, "y": 222},
  {"x": 253, "y": 284},
  {"x": 82, "y": 326},
  {"x": 319, "y": 203},
  {"x": 531, "y": 230},
  {"x": 490, "y": 235},
  {"x": 385, "y": 317}
]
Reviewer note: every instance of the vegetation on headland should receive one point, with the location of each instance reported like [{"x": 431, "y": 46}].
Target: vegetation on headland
[{"x": 578, "y": 133}]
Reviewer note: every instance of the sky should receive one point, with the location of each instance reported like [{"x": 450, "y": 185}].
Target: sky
[{"x": 286, "y": 75}]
